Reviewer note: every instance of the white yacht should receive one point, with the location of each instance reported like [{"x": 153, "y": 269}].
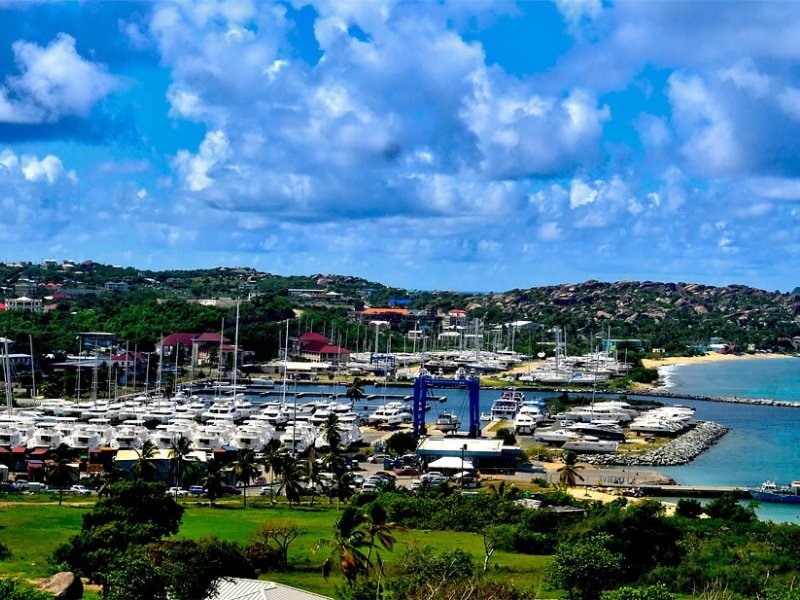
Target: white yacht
[
  {"x": 389, "y": 415},
  {"x": 18, "y": 434},
  {"x": 208, "y": 437},
  {"x": 588, "y": 443},
  {"x": 554, "y": 436},
  {"x": 447, "y": 422},
  {"x": 253, "y": 437},
  {"x": 129, "y": 437},
  {"x": 221, "y": 410},
  {"x": 524, "y": 423},
  {"x": 299, "y": 436},
  {"x": 46, "y": 435},
  {"x": 275, "y": 414},
  {"x": 505, "y": 407}
]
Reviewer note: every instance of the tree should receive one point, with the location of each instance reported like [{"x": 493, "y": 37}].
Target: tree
[
  {"x": 144, "y": 467},
  {"x": 292, "y": 478},
  {"x": 313, "y": 476},
  {"x": 178, "y": 452},
  {"x": 62, "y": 473},
  {"x": 689, "y": 508},
  {"x": 13, "y": 589},
  {"x": 496, "y": 536},
  {"x": 504, "y": 491},
  {"x": 585, "y": 568},
  {"x": 650, "y": 592},
  {"x": 348, "y": 546},
  {"x": 246, "y": 469},
  {"x": 133, "y": 513},
  {"x": 273, "y": 540},
  {"x": 401, "y": 443},
  {"x": 568, "y": 474},
  {"x": 179, "y": 570},
  {"x": 379, "y": 530},
  {"x": 330, "y": 430},
  {"x": 355, "y": 391},
  {"x": 213, "y": 480},
  {"x": 273, "y": 460}
]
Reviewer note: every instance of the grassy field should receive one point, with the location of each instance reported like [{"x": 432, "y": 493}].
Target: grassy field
[{"x": 33, "y": 529}]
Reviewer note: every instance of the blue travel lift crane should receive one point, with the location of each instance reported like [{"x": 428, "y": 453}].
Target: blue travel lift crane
[{"x": 423, "y": 384}]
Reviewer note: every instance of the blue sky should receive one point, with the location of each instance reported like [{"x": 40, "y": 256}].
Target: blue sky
[{"x": 467, "y": 145}]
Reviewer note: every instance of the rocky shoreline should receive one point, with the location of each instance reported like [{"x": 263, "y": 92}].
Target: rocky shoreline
[{"x": 683, "y": 449}]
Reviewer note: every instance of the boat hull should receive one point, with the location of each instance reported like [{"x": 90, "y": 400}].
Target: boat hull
[{"x": 773, "y": 497}]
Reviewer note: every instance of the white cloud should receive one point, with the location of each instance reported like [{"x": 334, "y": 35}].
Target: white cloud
[
  {"x": 54, "y": 81},
  {"x": 195, "y": 168},
  {"x": 576, "y": 12},
  {"x": 549, "y": 232},
  {"x": 711, "y": 146},
  {"x": 49, "y": 168},
  {"x": 581, "y": 194}
]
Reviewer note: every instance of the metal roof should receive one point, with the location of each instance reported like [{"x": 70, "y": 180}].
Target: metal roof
[{"x": 233, "y": 588}]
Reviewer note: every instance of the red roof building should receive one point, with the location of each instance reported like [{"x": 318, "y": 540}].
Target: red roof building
[{"x": 315, "y": 347}]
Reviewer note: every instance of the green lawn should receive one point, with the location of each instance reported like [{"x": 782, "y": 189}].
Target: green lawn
[{"x": 32, "y": 530}]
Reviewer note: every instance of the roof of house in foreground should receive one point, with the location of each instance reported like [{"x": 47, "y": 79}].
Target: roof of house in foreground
[{"x": 234, "y": 588}]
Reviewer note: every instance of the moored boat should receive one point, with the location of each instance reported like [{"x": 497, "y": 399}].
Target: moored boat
[{"x": 772, "y": 492}]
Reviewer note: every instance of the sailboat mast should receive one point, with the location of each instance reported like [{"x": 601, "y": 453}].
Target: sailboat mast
[
  {"x": 236, "y": 350},
  {"x": 7, "y": 376},
  {"x": 33, "y": 369}
]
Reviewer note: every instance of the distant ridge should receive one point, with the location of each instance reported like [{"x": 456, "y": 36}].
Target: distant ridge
[{"x": 668, "y": 315}]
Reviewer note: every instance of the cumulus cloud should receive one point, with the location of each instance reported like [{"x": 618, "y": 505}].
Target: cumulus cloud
[
  {"x": 32, "y": 169},
  {"x": 195, "y": 168},
  {"x": 54, "y": 81}
]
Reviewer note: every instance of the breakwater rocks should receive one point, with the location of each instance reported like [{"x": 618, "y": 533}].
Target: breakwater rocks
[{"x": 683, "y": 449}]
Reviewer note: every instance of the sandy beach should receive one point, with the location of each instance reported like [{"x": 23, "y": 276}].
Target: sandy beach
[{"x": 654, "y": 363}]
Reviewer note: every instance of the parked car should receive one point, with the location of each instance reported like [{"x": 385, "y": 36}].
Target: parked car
[
  {"x": 229, "y": 490},
  {"x": 378, "y": 458},
  {"x": 80, "y": 490},
  {"x": 196, "y": 490},
  {"x": 433, "y": 478},
  {"x": 177, "y": 491},
  {"x": 406, "y": 470}
]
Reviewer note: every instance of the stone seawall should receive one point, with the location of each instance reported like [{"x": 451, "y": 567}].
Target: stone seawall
[{"x": 683, "y": 449}]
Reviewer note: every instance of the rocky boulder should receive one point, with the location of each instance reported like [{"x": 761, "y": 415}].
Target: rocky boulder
[{"x": 63, "y": 586}]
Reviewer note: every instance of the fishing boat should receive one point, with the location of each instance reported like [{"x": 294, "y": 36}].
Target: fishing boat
[{"x": 772, "y": 492}]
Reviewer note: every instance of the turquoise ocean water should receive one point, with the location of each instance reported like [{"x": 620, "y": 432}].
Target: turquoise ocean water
[{"x": 764, "y": 441}]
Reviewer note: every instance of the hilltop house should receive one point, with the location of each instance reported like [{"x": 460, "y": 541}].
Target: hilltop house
[{"x": 207, "y": 348}]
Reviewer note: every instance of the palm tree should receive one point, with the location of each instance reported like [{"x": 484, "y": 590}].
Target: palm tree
[
  {"x": 379, "y": 530},
  {"x": 213, "y": 481},
  {"x": 273, "y": 460},
  {"x": 314, "y": 478},
  {"x": 292, "y": 478},
  {"x": 246, "y": 469},
  {"x": 355, "y": 391},
  {"x": 144, "y": 467},
  {"x": 178, "y": 451},
  {"x": 568, "y": 474},
  {"x": 349, "y": 546},
  {"x": 62, "y": 472},
  {"x": 505, "y": 491},
  {"x": 330, "y": 429}
]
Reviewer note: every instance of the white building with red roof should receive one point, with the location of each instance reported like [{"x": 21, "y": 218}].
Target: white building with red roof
[{"x": 315, "y": 347}]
